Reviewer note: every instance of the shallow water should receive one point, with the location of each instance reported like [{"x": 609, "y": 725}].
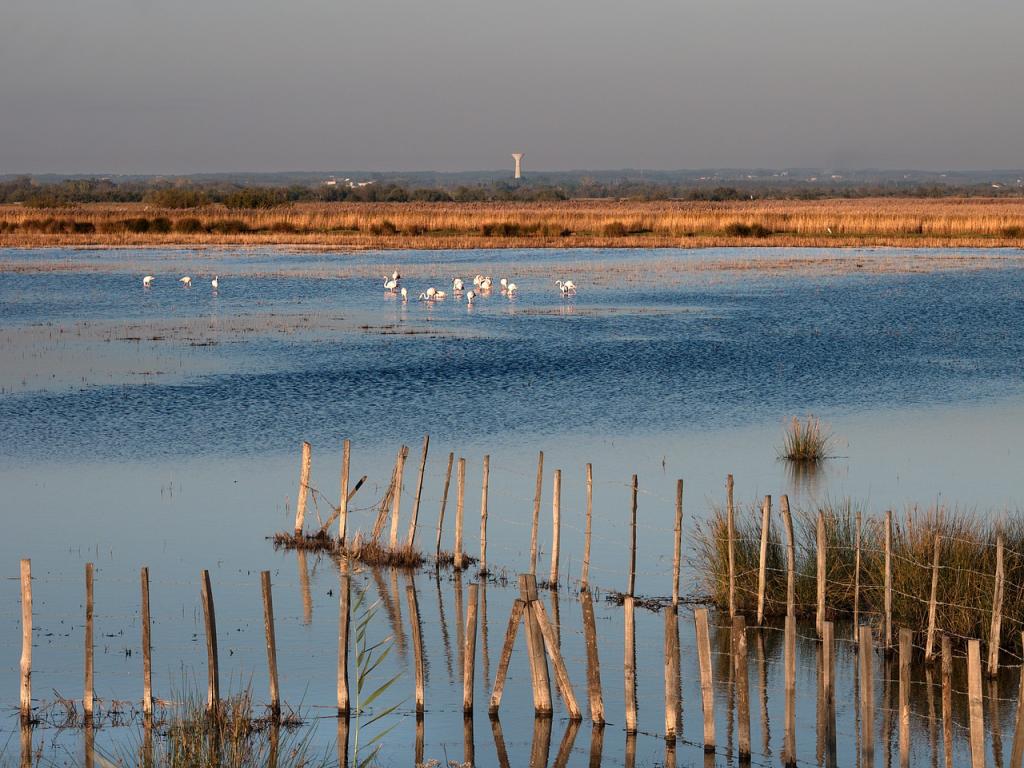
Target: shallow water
[{"x": 161, "y": 427}]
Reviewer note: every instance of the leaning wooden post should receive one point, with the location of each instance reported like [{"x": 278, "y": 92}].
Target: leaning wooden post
[
  {"x": 787, "y": 520},
  {"x": 856, "y": 581},
  {"x": 585, "y": 574},
  {"x": 300, "y": 502},
  {"x": 741, "y": 676},
  {"x": 460, "y": 490},
  {"x": 268, "y": 631},
  {"x": 1017, "y": 753},
  {"x": 417, "y": 646},
  {"x": 87, "y": 695},
  {"x": 731, "y": 543},
  {"x": 707, "y": 691},
  {"x": 593, "y": 660},
  {"x": 789, "y": 733},
  {"x": 212, "y": 664},
  {"x": 671, "y": 672},
  {"x": 396, "y": 498},
  {"x": 632, "y": 549},
  {"x": 26, "y": 641},
  {"x": 413, "y": 521},
  {"x": 557, "y": 662},
  {"x": 346, "y": 451},
  {"x": 514, "y": 619},
  {"x": 147, "y": 647},
  {"x": 629, "y": 663},
  {"x": 344, "y": 599},
  {"x": 865, "y": 651},
  {"x": 536, "y": 513},
  {"x": 444, "y": 503},
  {"x": 997, "y": 610},
  {"x": 906, "y": 638},
  {"x": 762, "y": 568},
  {"x": 469, "y": 654},
  {"x": 677, "y": 543},
  {"x": 974, "y": 702},
  {"x": 483, "y": 514},
  {"x": 887, "y": 640},
  {"x": 929, "y": 646},
  {"x": 535, "y": 648},
  {"x": 556, "y": 524},
  {"x": 822, "y": 571}
]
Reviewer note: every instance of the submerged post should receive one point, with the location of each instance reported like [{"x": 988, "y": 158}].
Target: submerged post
[
  {"x": 344, "y": 599},
  {"x": 268, "y": 631},
  {"x": 147, "y": 650},
  {"x": 789, "y": 734},
  {"x": 906, "y": 638},
  {"x": 212, "y": 664},
  {"x": 469, "y": 655},
  {"x": 300, "y": 502},
  {"x": 629, "y": 663},
  {"x": 593, "y": 660},
  {"x": 974, "y": 703},
  {"x": 865, "y": 651},
  {"x": 671, "y": 672},
  {"x": 741, "y": 675},
  {"x": 535, "y": 648},
  {"x": 707, "y": 690},
  {"x": 87, "y": 695},
  {"x": 762, "y": 568}
]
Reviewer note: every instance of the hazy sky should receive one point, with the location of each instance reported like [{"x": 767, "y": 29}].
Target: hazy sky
[{"x": 180, "y": 86}]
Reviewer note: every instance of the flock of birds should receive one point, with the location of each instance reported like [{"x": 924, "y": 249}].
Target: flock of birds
[
  {"x": 147, "y": 282},
  {"x": 481, "y": 287}
]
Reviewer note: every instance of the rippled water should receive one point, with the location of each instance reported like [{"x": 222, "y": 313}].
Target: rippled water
[{"x": 161, "y": 427}]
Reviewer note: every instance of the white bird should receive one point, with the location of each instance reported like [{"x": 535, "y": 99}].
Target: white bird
[
  {"x": 405, "y": 294},
  {"x": 470, "y": 296},
  {"x": 511, "y": 290},
  {"x": 503, "y": 283},
  {"x": 431, "y": 292},
  {"x": 147, "y": 281},
  {"x": 439, "y": 295},
  {"x": 215, "y": 282},
  {"x": 395, "y": 276},
  {"x": 567, "y": 287},
  {"x": 457, "y": 285},
  {"x": 390, "y": 285},
  {"x": 186, "y": 281},
  {"x": 477, "y": 280},
  {"x": 485, "y": 284}
]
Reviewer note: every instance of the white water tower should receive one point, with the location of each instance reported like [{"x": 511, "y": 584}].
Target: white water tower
[{"x": 518, "y": 157}]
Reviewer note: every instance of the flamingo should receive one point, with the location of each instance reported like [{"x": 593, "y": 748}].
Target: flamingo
[
  {"x": 477, "y": 280},
  {"x": 511, "y": 290},
  {"x": 470, "y": 296},
  {"x": 186, "y": 281},
  {"x": 503, "y": 283},
  {"x": 390, "y": 285},
  {"x": 567, "y": 287},
  {"x": 395, "y": 276},
  {"x": 405, "y": 295},
  {"x": 215, "y": 282},
  {"x": 147, "y": 281},
  {"x": 439, "y": 295},
  {"x": 457, "y": 285},
  {"x": 485, "y": 284}
]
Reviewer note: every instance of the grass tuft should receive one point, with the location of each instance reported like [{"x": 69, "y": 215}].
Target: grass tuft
[{"x": 805, "y": 441}]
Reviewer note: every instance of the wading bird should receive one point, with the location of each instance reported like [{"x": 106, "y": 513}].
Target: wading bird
[
  {"x": 511, "y": 290},
  {"x": 457, "y": 285},
  {"x": 186, "y": 281},
  {"x": 567, "y": 287},
  {"x": 395, "y": 276},
  {"x": 477, "y": 280},
  {"x": 405, "y": 295},
  {"x": 470, "y": 296},
  {"x": 147, "y": 281},
  {"x": 215, "y": 282},
  {"x": 503, "y": 283},
  {"x": 485, "y": 284},
  {"x": 390, "y": 285}
]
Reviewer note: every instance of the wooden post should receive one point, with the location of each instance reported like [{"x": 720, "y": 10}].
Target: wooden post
[
  {"x": 906, "y": 638},
  {"x": 585, "y": 574},
  {"x": 396, "y": 497},
  {"x": 1017, "y": 752},
  {"x": 929, "y": 647},
  {"x": 828, "y": 676},
  {"x": 707, "y": 690},
  {"x": 822, "y": 571},
  {"x": 865, "y": 652},
  {"x": 629, "y": 664},
  {"x": 632, "y": 548},
  {"x": 147, "y": 648},
  {"x": 346, "y": 452},
  {"x": 536, "y": 513},
  {"x": 268, "y": 631},
  {"x": 677, "y": 543},
  {"x": 345, "y": 591},
  {"x": 731, "y": 533},
  {"x": 741, "y": 675},
  {"x": 444, "y": 503},
  {"x": 787, "y": 520},
  {"x": 212, "y": 664},
  {"x": 469, "y": 656},
  {"x": 997, "y": 610},
  {"x": 974, "y": 702},
  {"x": 417, "y": 646},
  {"x": 460, "y": 490},
  {"x": 506, "y": 655},
  {"x": 671, "y": 672},
  {"x": 887, "y": 640},
  {"x": 483, "y": 514},
  {"x": 87, "y": 695},
  {"x": 947, "y": 699},
  {"x": 856, "y": 582},
  {"x": 789, "y": 735},
  {"x": 556, "y": 524},
  {"x": 413, "y": 521},
  {"x": 593, "y": 660},
  {"x": 557, "y": 663},
  {"x": 300, "y": 502},
  {"x": 535, "y": 648},
  {"x": 762, "y": 569}
]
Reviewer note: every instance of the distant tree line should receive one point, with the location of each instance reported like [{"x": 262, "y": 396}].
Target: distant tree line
[{"x": 166, "y": 194}]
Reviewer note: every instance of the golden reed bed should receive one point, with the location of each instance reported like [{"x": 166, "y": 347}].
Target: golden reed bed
[{"x": 945, "y": 222}]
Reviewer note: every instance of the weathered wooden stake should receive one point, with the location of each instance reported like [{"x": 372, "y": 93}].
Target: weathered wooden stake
[
  {"x": 585, "y": 573},
  {"x": 268, "y": 631},
  {"x": 997, "y": 610},
  {"x": 947, "y": 699},
  {"x": 629, "y": 664},
  {"x": 856, "y": 582},
  {"x": 344, "y": 618},
  {"x": 444, "y": 503},
  {"x": 762, "y": 568},
  {"x": 87, "y": 695},
  {"x": 460, "y": 490},
  {"x": 556, "y": 524},
  {"x": 414, "y": 520},
  {"x": 346, "y": 455},
  {"x": 671, "y": 672},
  {"x": 1017, "y": 752},
  {"x": 787, "y": 520},
  {"x": 562, "y": 682},
  {"x": 707, "y": 690},
  {"x": 906, "y": 639},
  {"x": 742, "y": 677},
  {"x": 887, "y": 640},
  {"x": 632, "y": 548},
  {"x": 677, "y": 542},
  {"x": 789, "y": 735},
  {"x": 822, "y": 572},
  {"x": 514, "y": 619},
  {"x": 300, "y": 502},
  {"x": 731, "y": 534},
  {"x": 535, "y": 648},
  {"x": 828, "y": 676},
  {"x": 396, "y": 497},
  {"x": 212, "y": 663},
  {"x": 147, "y": 647},
  {"x": 417, "y": 646},
  {"x": 483, "y": 514},
  {"x": 929, "y": 646},
  {"x": 974, "y": 703},
  {"x": 593, "y": 661},
  {"x": 866, "y": 652},
  {"x": 536, "y": 513}
]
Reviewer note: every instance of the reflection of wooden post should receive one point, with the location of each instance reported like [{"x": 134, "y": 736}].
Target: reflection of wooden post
[
  {"x": 535, "y": 648},
  {"x": 342, "y": 742},
  {"x": 469, "y": 656},
  {"x": 307, "y": 595},
  {"x": 300, "y": 502},
  {"x": 420, "y": 735},
  {"x": 856, "y": 580},
  {"x": 677, "y": 543},
  {"x": 414, "y": 519},
  {"x": 593, "y": 661},
  {"x": 536, "y": 514},
  {"x": 787, "y": 520},
  {"x": 789, "y": 735},
  {"x": 345, "y": 591},
  {"x": 929, "y": 646},
  {"x": 540, "y": 747},
  {"x": 671, "y": 673},
  {"x": 997, "y": 610},
  {"x": 585, "y": 574},
  {"x": 212, "y": 668},
  {"x": 483, "y": 514},
  {"x": 707, "y": 691},
  {"x": 565, "y": 747},
  {"x": 632, "y": 549},
  {"x": 1017, "y": 753},
  {"x": 460, "y": 490},
  {"x": 741, "y": 675},
  {"x": 556, "y": 524},
  {"x": 906, "y": 638},
  {"x": 974, "y": 703},
  {"x": 629, "y": 665},
  {"x": 762, "y": 568},
  {"x": 499, "y": 744},
  {"x": 87, "y": 696},
  {"x": 147, "y": 649},
  {"x": 828, "y": 676},
  {"x": 730, "y": 526},
  {"x": 417, "y": 646},
  {"x": 867, "y": 697},
  {"x": 596, "y": 746},
  {"x": 444, "y": 503},
  {"x": 468, "y": 745},
  {"x": 822, "y": 572},
  {"x": 346, "y": 452},
  {"x": 887, "y": 640},
  {"x": 947, "y": 699},
  {"x": 396, "y": 497},
  {"x": 268, "y": 631}
]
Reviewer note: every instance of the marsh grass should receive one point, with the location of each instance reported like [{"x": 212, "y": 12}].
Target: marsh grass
[
  {"x": 805, "y": 441},
  {"x": 368, "y": 551},
  {"x": 966, "y": 575}
]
